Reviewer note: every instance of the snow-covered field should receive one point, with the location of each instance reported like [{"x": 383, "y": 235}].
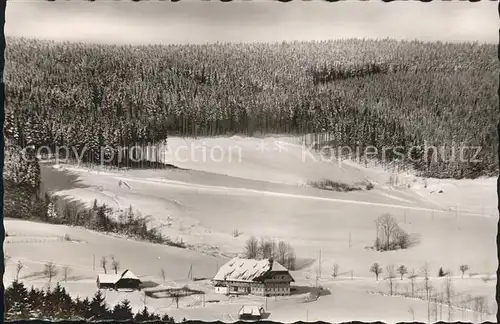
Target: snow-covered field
[{"x": 261, "y": 190}]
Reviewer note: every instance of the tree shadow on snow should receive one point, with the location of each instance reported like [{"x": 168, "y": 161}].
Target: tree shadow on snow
[
  {"x": 148, "y": 284},
  {"x": 303, "y": 263},
  {"x": 316, "y": 291}
]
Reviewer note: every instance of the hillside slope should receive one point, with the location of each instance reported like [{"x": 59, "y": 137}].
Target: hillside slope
[{"x": 204, "y": 209}]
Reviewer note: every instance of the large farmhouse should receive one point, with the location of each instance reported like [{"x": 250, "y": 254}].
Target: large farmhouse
[
  {"x": 125, "y": 280},
  {"x": 249, "y": 276}
]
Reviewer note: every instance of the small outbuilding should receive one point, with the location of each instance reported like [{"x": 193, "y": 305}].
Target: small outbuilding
[
  {"x": 251, "y": 313},
  {"x": 125, "y": 280},
  {"x": 221, "y": 288}
]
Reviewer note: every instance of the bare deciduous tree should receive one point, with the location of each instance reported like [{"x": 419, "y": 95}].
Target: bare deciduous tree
[
  {"x": 386, "y": 226},
  {"x": 412, "y": 275},
  {"x": 391, "y": 274},
  {"x": 66, "y": 271},
  {"x": 115, "y": 264},
  {"x": 265, "y": 248},
  {"x": 104, "y": 263},
  {"x": 282, "y": 252},
  {"x": 50, "y": 270},
  {"x": 176, "y": 296},
  {"x": 291, "y": 259},
  {"x": 251, "y": 248},
  {"x": 434, "y": 310},
  {"x": 335, "y": 270},
  {"x": 274, "y": 250},
  {"x": 19, "y": 267},
  {"x": 448, "y": 289},
  {"x": 401, "y": 238},
  {"x": 479, "y": 306},
  {"x": 402, "y": 271},
  {"x": 163, "y": 275},
  {"x": 463, "y": 269},
  {"x": 376, "y": 269},
  {"x": 425, "y": 273}
]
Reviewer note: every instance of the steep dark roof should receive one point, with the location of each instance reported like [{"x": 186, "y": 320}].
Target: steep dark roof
[
  {"x": 114, "y": 278},
  {"x": 247, "y": 270}
]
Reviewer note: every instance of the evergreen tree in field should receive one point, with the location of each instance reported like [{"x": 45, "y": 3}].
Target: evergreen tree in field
[
  {"x": 78, "y": 308},
  {"x": 41, "y": 207},
  {"x": 36, "y": 299},
  {"x": 62, "y": 303},
  {"x": 17, "y": 301},
  {"x": 167, "y": 319},
  {"x": 142, "y": 315},
  {"x": 48, "y": 309},
  {"x": 154, "y": 317},
  {"x": 51, "y": 212},
  {"x": 123, "y": 311},
  {"x": 98, "y": 307},
  {"x": 86, "y": 308}
]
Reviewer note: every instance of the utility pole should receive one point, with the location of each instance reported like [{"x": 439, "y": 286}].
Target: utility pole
[
  {"x": 440, "y": 306},
  {"x": 320, "y": 263},
  {"x": 318, "y": 269},
  {"x": 428, "y": 308}
]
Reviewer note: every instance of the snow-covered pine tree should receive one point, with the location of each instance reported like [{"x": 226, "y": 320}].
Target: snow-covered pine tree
[{"x": 51, "y": 212}]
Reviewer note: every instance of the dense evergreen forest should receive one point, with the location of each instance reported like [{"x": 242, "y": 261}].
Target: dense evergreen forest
[{"x": 360, "y": 92}]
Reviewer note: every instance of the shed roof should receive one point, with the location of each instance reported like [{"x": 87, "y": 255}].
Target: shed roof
[
  {"x": 247, "y": 270},
  {"x": 108, "y": 278},
  {"x": 127, "y": 274},
  {"x": 250, "y": 310},
  {"x": 114, "y": 278}
]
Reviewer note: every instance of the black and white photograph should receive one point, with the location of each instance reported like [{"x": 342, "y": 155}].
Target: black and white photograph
[{"x": 251, "y": 161}]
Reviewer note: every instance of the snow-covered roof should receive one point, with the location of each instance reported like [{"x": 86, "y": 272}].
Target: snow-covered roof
[
  {"x": 108, "y": 278},
  {"x": 127, "y": 274},
  {"x": 246, "y": 270},
  {"x": 113, "y": 278},
  {"x": 250, "y": 310}
]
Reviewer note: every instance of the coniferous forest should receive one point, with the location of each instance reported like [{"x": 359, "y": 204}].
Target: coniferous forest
[
  {"x": 359, "y": 92},
  {"x": 22, "y": 303}
]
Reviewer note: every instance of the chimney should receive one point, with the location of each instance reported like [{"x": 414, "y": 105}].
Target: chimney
[{"x": 271, "y": 261}]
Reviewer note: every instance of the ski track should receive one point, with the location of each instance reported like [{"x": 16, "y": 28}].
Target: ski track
[{"x": 233, "y": 191}]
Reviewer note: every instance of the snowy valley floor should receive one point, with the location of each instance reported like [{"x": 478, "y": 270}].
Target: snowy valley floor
[{"x": 265, "y": 194}]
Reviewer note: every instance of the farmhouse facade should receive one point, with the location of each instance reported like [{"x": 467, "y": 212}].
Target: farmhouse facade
[
  {"x": 257, "y": 277},
  {"x": 125, "y": 280}
]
